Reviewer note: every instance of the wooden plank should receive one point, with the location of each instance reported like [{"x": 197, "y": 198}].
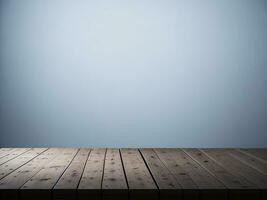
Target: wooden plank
[
  {"x": 65, "y": 188},
  {"x": 237, "y": 167},
  {"x": 13, "y": 154},
  {"x": 249, "y": 160},
  {"x": 140, "y": 181},
  {"x": 190, "y": 189},
  {"x": 41, "y": 184},
  {"x": 169, "y": 187},
  {"x": 90, "y": 184},
  {"x": 3, "y": 150},
  {"x": 17, "y": 162},
  {"x": 10, "y": 184},
  {"x": 210, "y": 187},
  {"x": 239, "y": 187},
  {"x": 252, "y": 155},
  {"x": 6, "y": 151},
  {"x": 114, "y": 185},
  {"x": 259, "y": 153},
  {"x": 234, "y": 165},
  {"x": 148, "y": 173}
]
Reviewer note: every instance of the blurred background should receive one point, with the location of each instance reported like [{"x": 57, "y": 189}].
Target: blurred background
[{"x": 137, "y": 73}]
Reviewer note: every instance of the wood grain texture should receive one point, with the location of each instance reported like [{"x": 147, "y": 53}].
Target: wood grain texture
[
  {"x": 210, "y": 186},
  {"x": 140, "y": 182},
  {"x": 9, "y": 185},
  {"x": 238, "y": 186},
  {"x": 190, "y": 189},
  {"x": 90, "y": 184},
  {"x": 41, "y": 184},
  {"x": 114, "y": 185},
  {"x": 237, "y": 167},
  {"x": 258, "y": 153},
  {"x": 167, "y": 184},
  {"x": 17, "y": 162},
  {"x": 6, "y": 151},
  {"x": 13, "y": 154},
  {"x": 132, "y": 174},
  {"x": 249, "y": 160},
  {"x": 65, "y": 188}
]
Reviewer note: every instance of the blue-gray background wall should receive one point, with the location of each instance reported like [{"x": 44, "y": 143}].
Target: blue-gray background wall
[{"x": 160, "y": 73}]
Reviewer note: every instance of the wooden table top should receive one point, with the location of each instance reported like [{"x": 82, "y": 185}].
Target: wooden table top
[{"x": 154, "y": 173}]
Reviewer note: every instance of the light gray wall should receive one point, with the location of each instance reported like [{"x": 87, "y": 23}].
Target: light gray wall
[{"x": 160, "y": 73}]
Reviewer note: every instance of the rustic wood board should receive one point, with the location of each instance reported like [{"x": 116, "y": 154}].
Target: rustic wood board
[
  {"x": 235, "y": 166},
  {"x": 65, "y": 188},
  {"x": 6, "y": 151},
  {"x": 169, "y": 188},
  {"x": 13, "y": 154},
  {"x": 258, "y": 153},
  {"x": 10, "y": 185},
  {"x": 210, "y": 187},
  {"x": 190, "y": 189},
  {"x": 90, "y": 184},
  {"x": 135, "y": 174},
  {"x": 17, "y": 162},
  {"x": 140, "y": 182},
  {"x": 249, "y": 160},
  {"x": 114, "y": 185},
  {"x": 41, "y": 184},
  {"x": 238, "y": 186}
]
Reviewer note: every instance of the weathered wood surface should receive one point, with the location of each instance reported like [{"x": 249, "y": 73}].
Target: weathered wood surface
[
  {"x": 237, "y": 185},
  {"x": 135, "y": 174},
  {"x": 65, "y": 188},
  {"x": 41, "y": 184},
  {"x": 90, "y": 183},
  {"x": 140, "y": 182},
  {"x": 114, "y": 185},
  {"x": 169, "y": 187}
]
